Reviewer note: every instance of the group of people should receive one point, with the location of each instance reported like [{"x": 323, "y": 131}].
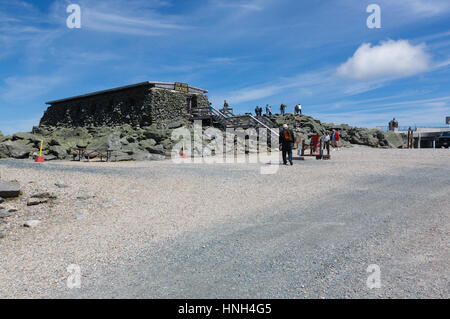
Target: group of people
[
  {"x": 332, "y": 140},
  {"x": 259, "y": 110},
  {"x": 283, "y": 107},
  {"x": 287, "y": 139}
]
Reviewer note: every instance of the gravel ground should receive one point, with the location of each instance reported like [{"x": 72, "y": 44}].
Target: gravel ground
[{"x": 166, "y": 230}]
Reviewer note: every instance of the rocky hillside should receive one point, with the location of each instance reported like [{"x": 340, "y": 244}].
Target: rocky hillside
[
  {"x": 350, "y": 135},
  {"x": 150, "y": 143}
]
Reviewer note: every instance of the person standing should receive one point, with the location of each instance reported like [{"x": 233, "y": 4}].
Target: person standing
[
  {"x": 337, "y": 137},
  {"x": 286, "y": 143},
  {"x": 326, "y": 142}
]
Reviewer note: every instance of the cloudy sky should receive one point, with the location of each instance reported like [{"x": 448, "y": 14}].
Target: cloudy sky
[{"x": 251, "y": 52}]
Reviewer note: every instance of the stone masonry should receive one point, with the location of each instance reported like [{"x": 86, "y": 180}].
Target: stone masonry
[{"x": 139, "y": 105}]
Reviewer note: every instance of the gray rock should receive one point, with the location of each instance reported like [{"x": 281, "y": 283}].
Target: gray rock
[
  {"x": 15, "y": 150},
  {"x": 31, "y": 223},
  {"x": 58, "y": 151},
  {"x": 85, "y": 197},
  {"x": 50, "y": 157},
  {"x": 158, "y": 149},
  {"x": 44, "y": 195},
  {"x": 4, "y": 214},
  {"x": 147, "y": 143},
  {"x": 9, "y": 189},
  {"x": 36, "y": 201},
  {"x": 176, "y": 124}
]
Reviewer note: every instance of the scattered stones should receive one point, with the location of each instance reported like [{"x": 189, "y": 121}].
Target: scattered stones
[
  {"x": 9, "y": 189},
  {"x": 31, "y": 223}
]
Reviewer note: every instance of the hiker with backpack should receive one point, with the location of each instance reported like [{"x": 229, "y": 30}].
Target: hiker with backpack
[{"x": 286, "y": 143}]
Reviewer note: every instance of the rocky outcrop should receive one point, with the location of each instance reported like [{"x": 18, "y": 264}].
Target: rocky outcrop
[
  {"x": 349, "y": 135},
  {"x": 152, "y": 143}
]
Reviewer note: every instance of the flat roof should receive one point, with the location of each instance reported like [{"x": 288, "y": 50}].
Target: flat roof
[{"x": 163, "y": 85}]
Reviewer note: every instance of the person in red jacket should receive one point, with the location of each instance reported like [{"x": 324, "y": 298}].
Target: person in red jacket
[{"x": 335, "y": 137}]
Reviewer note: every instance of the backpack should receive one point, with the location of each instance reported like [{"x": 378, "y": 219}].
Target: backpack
[{"x": 287, "y": 136}]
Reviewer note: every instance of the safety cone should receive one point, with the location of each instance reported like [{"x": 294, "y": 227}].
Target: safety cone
[{"x": 183, "y": 153}]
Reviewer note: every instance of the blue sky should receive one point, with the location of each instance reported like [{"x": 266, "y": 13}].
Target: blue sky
[{"x": 251, "y": 52}]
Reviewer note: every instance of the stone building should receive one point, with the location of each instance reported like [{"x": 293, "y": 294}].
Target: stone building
[{"x": 142, "y": 104}]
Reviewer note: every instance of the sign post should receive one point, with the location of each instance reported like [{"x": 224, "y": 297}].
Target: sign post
[{"x": 182, "y": 87}]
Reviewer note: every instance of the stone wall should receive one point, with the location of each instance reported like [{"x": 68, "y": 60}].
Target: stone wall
[
  {"x": 137, "y": 106},
  {"x": 170, "y": 108}
]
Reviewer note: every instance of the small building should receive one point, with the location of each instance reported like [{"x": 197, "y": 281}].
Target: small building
[{"x": 142, "y": 104}]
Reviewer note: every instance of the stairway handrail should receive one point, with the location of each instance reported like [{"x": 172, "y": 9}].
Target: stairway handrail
[
  {"x": 266, "y": 126},
  {"x": 218, "y": 112}
]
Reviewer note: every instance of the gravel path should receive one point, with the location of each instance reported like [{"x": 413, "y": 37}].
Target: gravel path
[{"x": 159, "y": 229}]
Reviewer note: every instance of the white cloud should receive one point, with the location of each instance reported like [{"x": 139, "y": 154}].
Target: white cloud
[
  {"x": 20, "y": 89},
  {"x": 428, "y": 7},
  {"x": 388, "y": 60}
]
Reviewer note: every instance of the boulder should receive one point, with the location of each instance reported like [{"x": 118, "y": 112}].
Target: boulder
[
  {"x": 9, "y": 189},
  {"x": 15, "y": 150},
  {"x": 58, "y": 151},
  {"x": 156, "y": 134},
  {"x": 158, "y": 149},
  {"x": 147, "y": 143},
  {"x": 395, "y": 140},
  {"x": 4, "y": 214}
]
